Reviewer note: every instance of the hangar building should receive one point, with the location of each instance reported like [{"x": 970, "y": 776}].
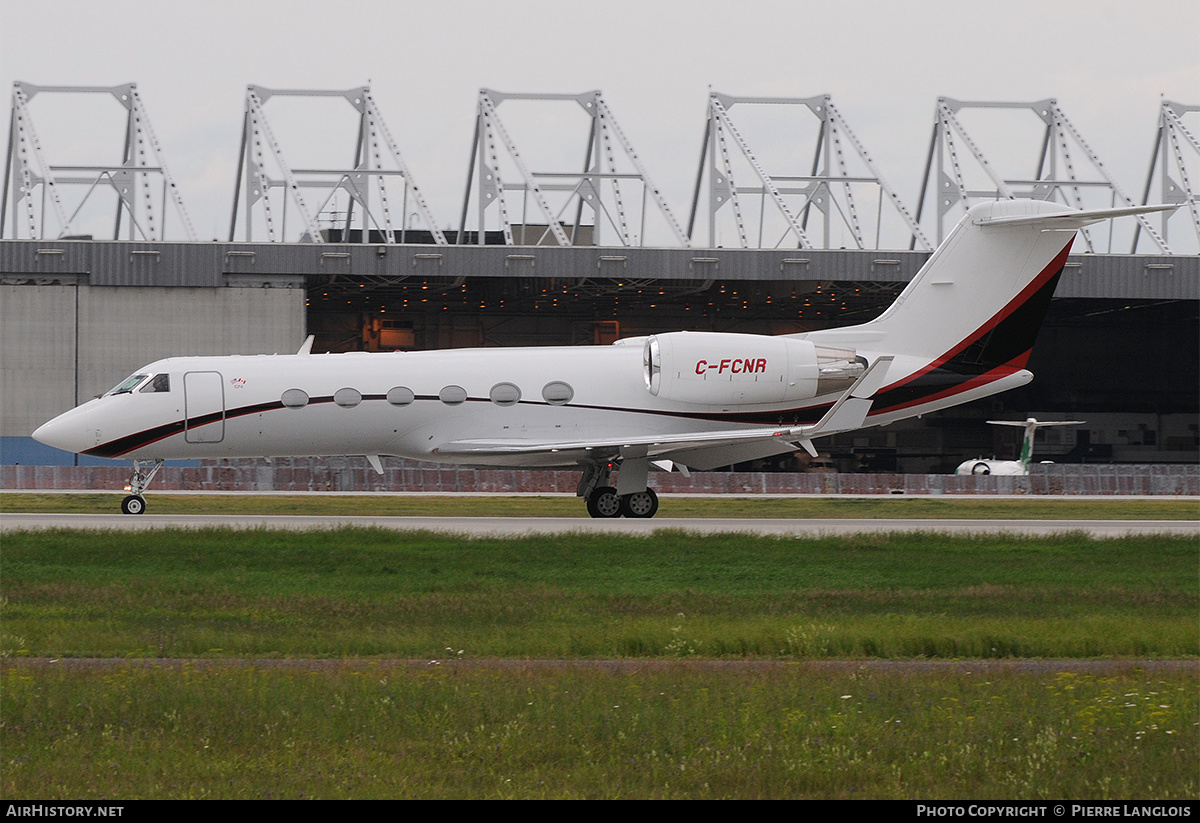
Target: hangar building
[{"x": 1120, "y": 347}]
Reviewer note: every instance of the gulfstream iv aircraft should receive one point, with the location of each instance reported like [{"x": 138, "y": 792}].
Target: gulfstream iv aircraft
[{"x": 961, "y": 330}]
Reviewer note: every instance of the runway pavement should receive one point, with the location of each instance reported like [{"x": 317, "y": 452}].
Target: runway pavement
[{"x": 510, "y": 526}]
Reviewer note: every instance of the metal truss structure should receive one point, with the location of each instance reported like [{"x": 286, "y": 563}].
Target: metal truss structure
[
  {"x": 784, "y": 204},
  {"x": 140, "y": 180},
  {"x": 1058, "y": 175},
  {"x": 613, "y": 186},
  {"x": 1172, "y": 157},
  {"x": 370, "y": 184},
  {"x": 773, "y": 182}
]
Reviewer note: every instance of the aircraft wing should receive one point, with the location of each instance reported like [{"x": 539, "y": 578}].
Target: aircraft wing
[{"x": 700, "y": 449}]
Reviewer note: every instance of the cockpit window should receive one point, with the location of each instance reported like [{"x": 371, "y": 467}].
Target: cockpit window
[
  {"x": 157, "y": 383},
  {"x": 128, "y": 384}
]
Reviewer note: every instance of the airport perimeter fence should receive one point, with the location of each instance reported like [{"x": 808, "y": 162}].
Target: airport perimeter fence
[{"x": 354, "y": 474}]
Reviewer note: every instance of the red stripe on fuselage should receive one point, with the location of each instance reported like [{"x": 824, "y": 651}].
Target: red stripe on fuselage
[{"x": 1012, "y": 367}]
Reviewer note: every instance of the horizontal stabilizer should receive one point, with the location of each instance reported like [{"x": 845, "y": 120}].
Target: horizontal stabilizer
[
  {"x": 1038, "y": 423},
  {"x": 1066, "y": 220}
]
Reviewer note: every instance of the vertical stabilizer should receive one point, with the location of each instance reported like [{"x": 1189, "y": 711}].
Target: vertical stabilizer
[
  {"x": 981, "y": 298},
  {"x": 1031, "y": 425}
]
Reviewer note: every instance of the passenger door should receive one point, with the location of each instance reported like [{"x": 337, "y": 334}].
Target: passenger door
[{"x": 203, "y": 407}]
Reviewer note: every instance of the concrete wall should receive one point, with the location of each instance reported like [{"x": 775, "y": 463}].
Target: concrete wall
[
  {"x": 354, "y": 474},
  {"x": 63, "y": 344}
]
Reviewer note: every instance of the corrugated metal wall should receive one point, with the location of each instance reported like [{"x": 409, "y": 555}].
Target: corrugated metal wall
[
  {"x": 37, "y": 355},
  {"x": 208, "y": 265},
  {"x": 62, "y": 344}
]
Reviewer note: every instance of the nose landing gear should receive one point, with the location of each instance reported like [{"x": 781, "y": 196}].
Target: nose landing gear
[{"x": 135, "y": 503}]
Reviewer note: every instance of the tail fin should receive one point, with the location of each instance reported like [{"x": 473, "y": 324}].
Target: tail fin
[
  {"x": 1031, "y": 425},
  {"x": 979, "y": 301},
  {"x": 981, "y": 298}
]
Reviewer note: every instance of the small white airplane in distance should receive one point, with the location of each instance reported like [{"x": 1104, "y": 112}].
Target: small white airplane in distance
[
  {"x": 1018, "y": 467},
  {"x": 961, "y": 330}
]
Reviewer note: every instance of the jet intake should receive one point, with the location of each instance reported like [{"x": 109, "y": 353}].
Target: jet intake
[{"x": 744, "y": 369}]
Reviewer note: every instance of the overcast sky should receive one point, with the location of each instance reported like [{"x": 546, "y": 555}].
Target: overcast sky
[{"x": 885, "y": 63}]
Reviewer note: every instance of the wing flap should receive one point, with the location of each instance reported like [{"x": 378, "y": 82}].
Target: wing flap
[{"x": 655, "y": 446}]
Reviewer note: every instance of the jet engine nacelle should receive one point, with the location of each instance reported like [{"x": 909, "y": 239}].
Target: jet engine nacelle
[{"x": 742, "y": 369}]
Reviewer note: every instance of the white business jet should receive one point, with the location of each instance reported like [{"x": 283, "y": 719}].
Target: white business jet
[
  {"x": 1013, "y": 468},
  {"x": 961, "y": 330}
]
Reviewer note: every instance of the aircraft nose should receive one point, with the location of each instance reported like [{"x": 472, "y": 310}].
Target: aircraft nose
[{"x": 68, "y": 432}]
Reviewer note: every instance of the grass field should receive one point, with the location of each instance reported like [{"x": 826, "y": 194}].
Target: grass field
[
  {"x": 372, "y": 592},
  {"x": 799, "y": 506},
  {"x": 673, "y": 720},
  {"x": 675, "y": 731}
]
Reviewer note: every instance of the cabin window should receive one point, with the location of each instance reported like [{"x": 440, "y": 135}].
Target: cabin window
[
  {"x": 557, "y": 393},
  {"x": 453, "y": 395},
  {"x": 505, "y": 394},
  {"x": 128, "y": 384},
  {"x": 400, "y": 396},
  {"x": 347, "y": 398},
  {"x": 295, "y": 398},
  {"x": 157, "y": 383}
]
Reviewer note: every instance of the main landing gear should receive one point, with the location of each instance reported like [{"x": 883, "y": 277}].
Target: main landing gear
[
  {"x": 135, "y": 503},
  {"x": 604, "y": 501}
]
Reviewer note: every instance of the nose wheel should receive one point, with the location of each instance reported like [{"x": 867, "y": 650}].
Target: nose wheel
[{"x": 133, "y": 504}]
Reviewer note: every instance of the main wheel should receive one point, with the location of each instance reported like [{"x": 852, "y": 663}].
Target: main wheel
[
  {"x": 640, "y": 504},
  {"x": 603, "y": 502},
  {"x": 981, "y": 468},
  {"x": 133, "y": 504}
]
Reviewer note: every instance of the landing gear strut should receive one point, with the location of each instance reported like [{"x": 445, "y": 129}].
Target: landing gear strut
[{"x": 135, "y": 503}]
